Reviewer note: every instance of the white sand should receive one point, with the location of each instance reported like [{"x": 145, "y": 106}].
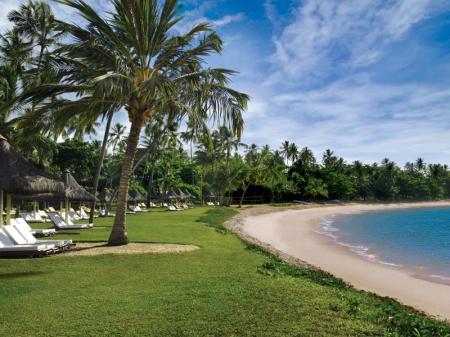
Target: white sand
[{"x": 294, "y": 232}]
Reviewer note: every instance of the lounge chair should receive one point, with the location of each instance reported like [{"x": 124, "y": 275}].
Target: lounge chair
[
  {"x": 44, "y": 215},
  {"x": 36, "y": 232},
  {"x": 72, "y": 215},
  {"x": 9, "y": 249},
  {"x": 60, "y": 224},
  {"x": 25, "y": 232},
  {"x": 82, "y": 214},
  {"x": 18, "y": 239},
  {"x": 32, "y": 217},
  {"x": 172, "y": 208}
]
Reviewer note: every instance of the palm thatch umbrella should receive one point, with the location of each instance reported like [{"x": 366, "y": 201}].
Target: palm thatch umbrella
[
  {"x": 136, "y": 196},
  {"x": 74, "y": 192},
  {"x": 19, "y": 176},
  {"x": 172, "y": 195},
  {"x": 182, "y": 195}
]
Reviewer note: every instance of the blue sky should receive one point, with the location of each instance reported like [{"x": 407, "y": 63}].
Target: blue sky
[{"x": 368, "y": 79}]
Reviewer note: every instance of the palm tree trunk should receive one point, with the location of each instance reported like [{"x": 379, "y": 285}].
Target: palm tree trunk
[
  {"x": 118, "y": 234},
  {"x": 243, "y": 194},
  {"x": 100, "y": 165},
  {"x": 150, "y": 185}
]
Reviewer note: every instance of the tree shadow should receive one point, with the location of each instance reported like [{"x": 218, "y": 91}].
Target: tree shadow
[{"x": 8, "y": 276}]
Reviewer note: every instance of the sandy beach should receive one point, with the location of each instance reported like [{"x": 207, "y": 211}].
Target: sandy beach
[{"x": 295, "y": 232}]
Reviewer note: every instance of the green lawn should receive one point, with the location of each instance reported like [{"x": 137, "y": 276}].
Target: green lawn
[{"x": 223, "y": 289}]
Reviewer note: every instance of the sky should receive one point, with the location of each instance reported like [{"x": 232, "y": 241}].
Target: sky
[{"x": 368, "y": 79}]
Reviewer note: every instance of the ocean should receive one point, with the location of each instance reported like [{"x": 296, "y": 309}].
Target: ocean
[{"x": 417, "y": 239}]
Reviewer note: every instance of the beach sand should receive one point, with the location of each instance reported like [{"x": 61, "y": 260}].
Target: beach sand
[{"x": 295, "y": 233}]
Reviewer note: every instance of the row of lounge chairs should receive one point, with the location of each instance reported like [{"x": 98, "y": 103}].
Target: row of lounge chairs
[
  {"x": 176, "y": 207},
  {"x": 17, "y": 240},
  {"x": 41, "y": 216}
]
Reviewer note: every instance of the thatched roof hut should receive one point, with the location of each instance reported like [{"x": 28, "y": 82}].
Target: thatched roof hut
[
  {"x": 19, "y": 176},
  {"x": 182, "y": 194},
  {"x": 172, "y": 195},
  {"x": 136, "y": 196},
  {"x": 74, "y": 191}
]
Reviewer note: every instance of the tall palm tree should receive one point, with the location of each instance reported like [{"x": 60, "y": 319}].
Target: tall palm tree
[
  {"x": 36, "y": 22},
  {"x": 286, "y": 150},
  {"x": 133, "y": 60},
  {"x": 293, "y": 152},
  {"x": 117, "y": 135}
]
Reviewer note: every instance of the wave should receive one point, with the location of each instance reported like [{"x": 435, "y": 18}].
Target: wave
[{"x": 327, "y": 228}]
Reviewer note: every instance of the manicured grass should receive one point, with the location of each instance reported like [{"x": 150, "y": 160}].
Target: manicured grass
[{"x": 224, "y": 289}]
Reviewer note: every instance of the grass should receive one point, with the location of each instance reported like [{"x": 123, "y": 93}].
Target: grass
[{"x": 226, "y": 288}]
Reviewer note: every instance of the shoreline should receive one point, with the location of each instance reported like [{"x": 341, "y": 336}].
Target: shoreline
[{"x": 294, "y": 234}]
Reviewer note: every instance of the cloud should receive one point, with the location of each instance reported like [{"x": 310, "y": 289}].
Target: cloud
[
  {"x": 7, "y": 6},
  {"x": 360, "y": 120},
  {"x": 227, "y": 19},
  {"x": 328, "y": 36}
]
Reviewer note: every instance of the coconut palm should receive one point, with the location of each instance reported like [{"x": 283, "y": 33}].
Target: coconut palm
[
  {"x": 133, "y": 60},
  {"x": 117, "y": 135},
  {"x": 293, "y": 152},
  {"x": 36, "y": 23},
  {"x": 286, "y": 150}
]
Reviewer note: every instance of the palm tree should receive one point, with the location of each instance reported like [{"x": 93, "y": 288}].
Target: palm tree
[
  {"x": 307, "y": 158},
  {"x": 36, "y": 22},
  {"x": 286, "y": 151},
  {"x": 100, "y": 161},
  {"x": 132, "y": 60},
  {"x": 293, "y": 152},
  {"x": 117, "y": 135},
  {"x": 420, "y": 165}
]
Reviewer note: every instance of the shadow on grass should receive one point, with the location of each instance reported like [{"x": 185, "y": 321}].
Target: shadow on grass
[{"x": 9, "y": 276}]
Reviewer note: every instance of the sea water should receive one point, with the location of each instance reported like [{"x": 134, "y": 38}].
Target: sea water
[{"x": 415, "y": 238}]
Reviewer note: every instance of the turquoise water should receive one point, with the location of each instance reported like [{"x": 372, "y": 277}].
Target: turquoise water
[{"x": 418, "y": 238}]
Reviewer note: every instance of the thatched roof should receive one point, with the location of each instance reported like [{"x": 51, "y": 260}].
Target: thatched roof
[
  {"x": 188, "y": 194},
  {"x": 19, "y": 176},
  {"x": 72, "y": 191},
  {"x": 173, "y": 195},
  {"x": 75, "y": 191},
  {"x": 136, "y": 196},
  {"x": 105, "y": 195},
  {"x": 182, "y": 194}
]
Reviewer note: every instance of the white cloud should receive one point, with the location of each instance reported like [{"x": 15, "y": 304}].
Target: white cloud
[
  {"x": 360, "y": 120},
  {"x": 6, "y": 7},
  {"x": 328, "y": 35},
  {"x": 227, "y": 19}
]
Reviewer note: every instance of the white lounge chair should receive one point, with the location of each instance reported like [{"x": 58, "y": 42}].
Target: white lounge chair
[
  {"x": 19, "y": 239},
  {"x": 172, "y": 208},
  {"x": 10, "y": 249},
  {"x": 82, "y": 214},
  {"x": 59, "y": 223},
  {"x": 24, "y": 231},
  {"x": 37, "y": 232},
  {"x": 32, "y": 217}
]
